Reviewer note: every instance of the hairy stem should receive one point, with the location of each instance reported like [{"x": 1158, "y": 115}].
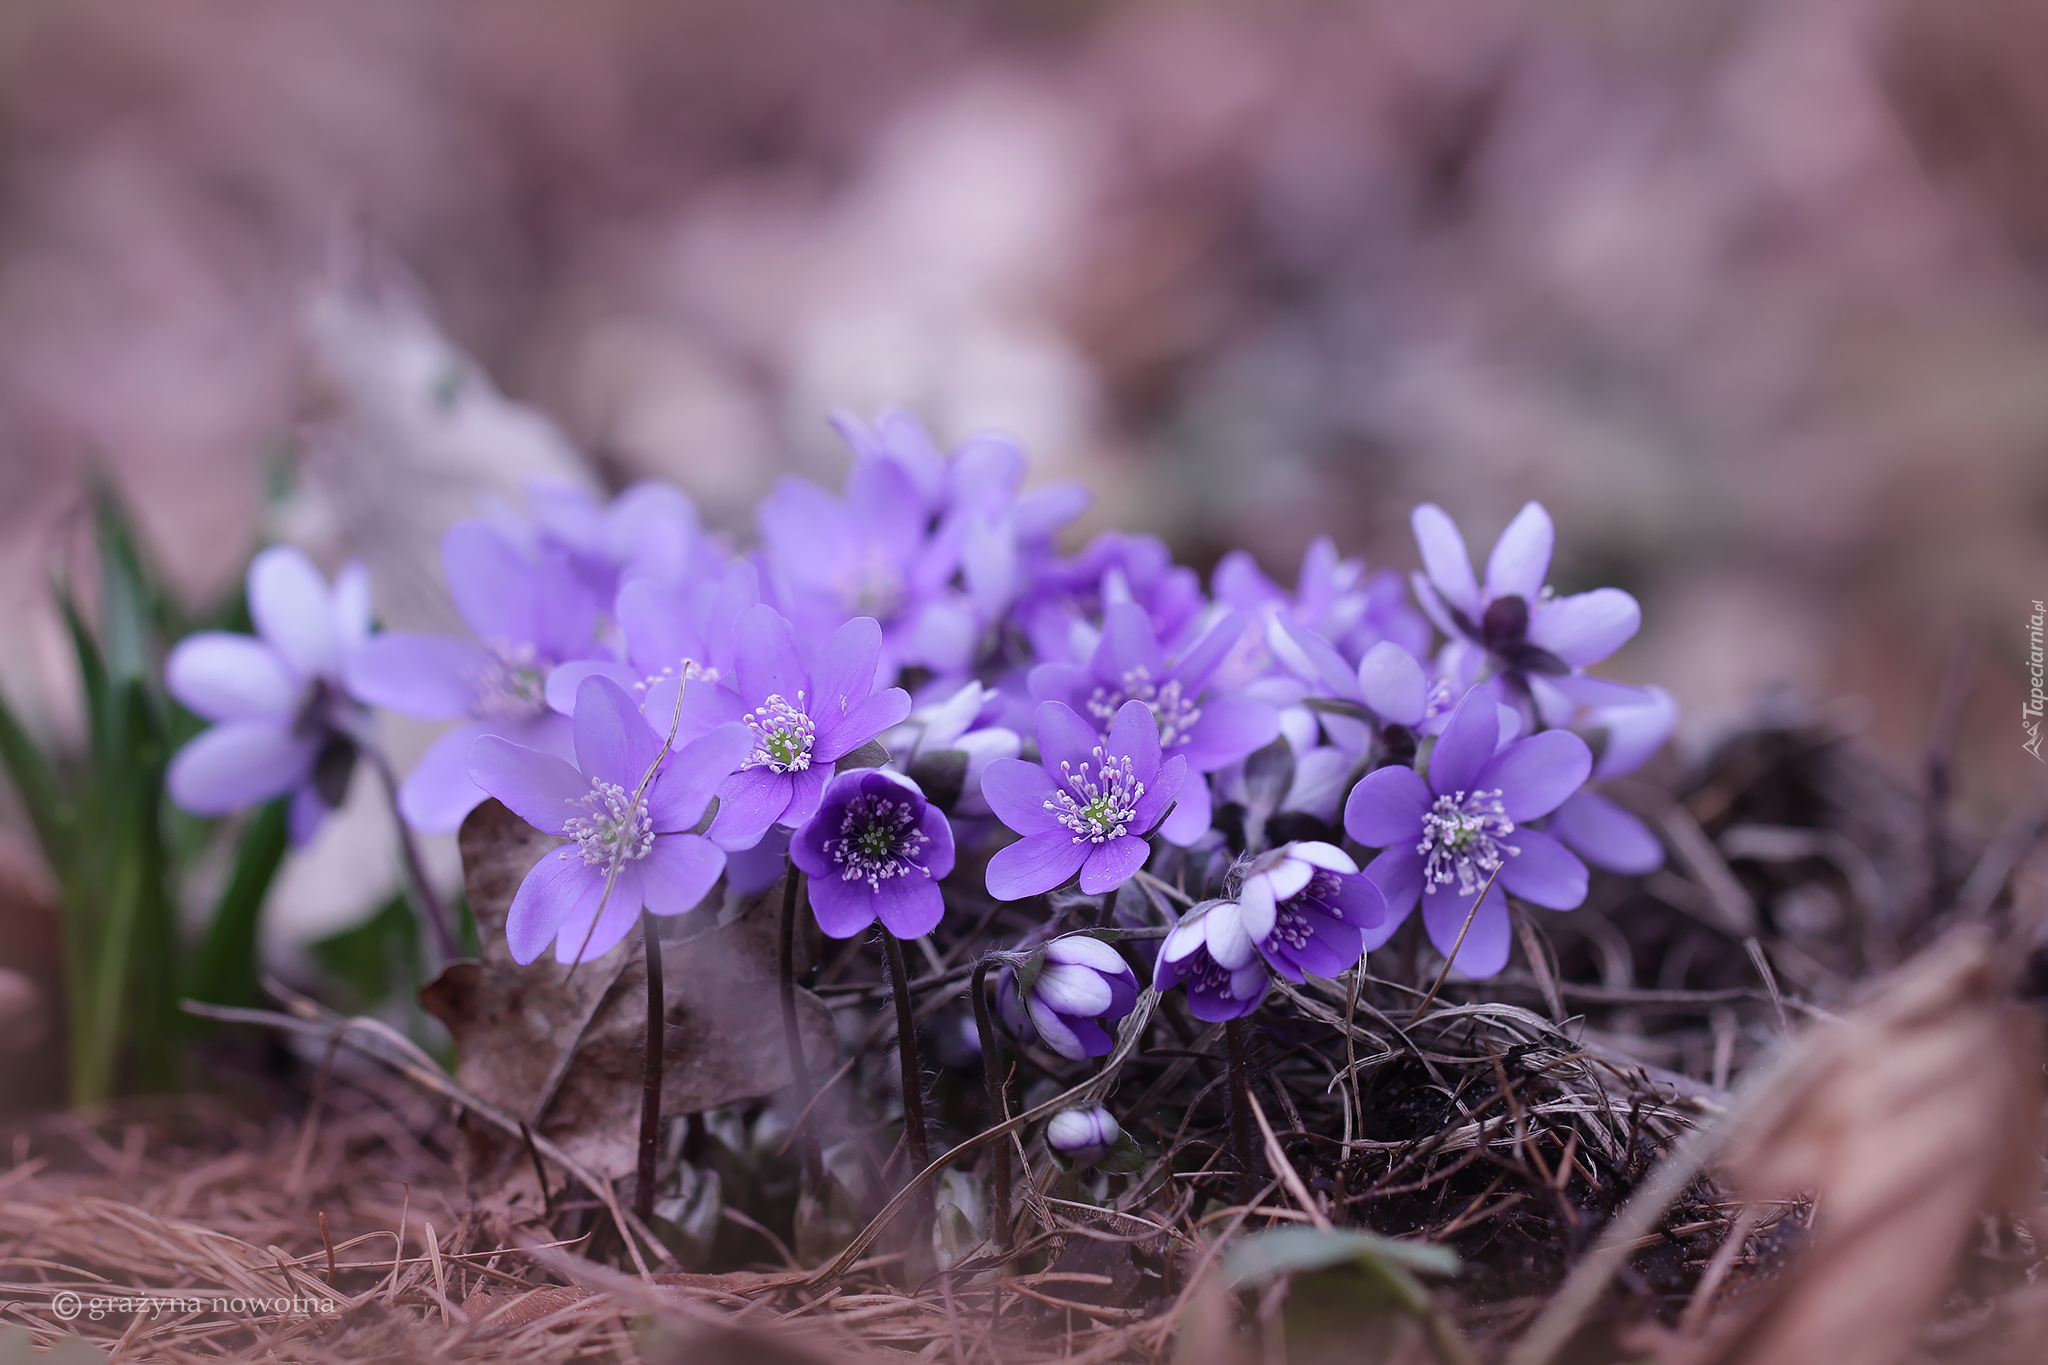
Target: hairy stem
[
  {"x": 792, "y": 1034},
  {"x": 1240, "y": 1108},
  {"x": 914, "y": 1140},
  {"x": 431, "y": 908},
  {"x": 650, "y": 1076},
  {"x": 998, "y": 1102}
]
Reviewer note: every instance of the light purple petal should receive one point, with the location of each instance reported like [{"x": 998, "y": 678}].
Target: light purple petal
[
  {"x": 1165, "y": 787},
  {"x": 492, "y": 583},
  {"x": 289, "y": 603},
  {"x": 1256, "y": 908},
  {"x": 1193, "y": 812},
  {"x": 938, "y": 849},
  {"x": 767, "y": 658},
  {"x": 1072, "y": 989},
  {"x": 1080, "y": 950},
  {"x": 1065, "y": 738},
  {"x": 1392, "y": 683},
  {"x": 1018, "y": 792},
  {"x": 1230, "y": 942},
  {"x": 1385, "y": 809},
  {"x": 1398, "y": 874},
  {"x": 1433, "y": 605},
  {"x": 350, "y": 604},
  {"x": 1329, "y": 857},
  {"x": 564, "y": 681},
  {"x": 438, "y": 794},
  {"x": 1467, "y": 742},
  {"x": 1134, "y": 734},
  {"x": 561, "y": 885},
  {"x": 1485, "y": 949},
  {"x": 841, "y": 735},
  {"x": 304, "y": 813},
  {"x": 232, "y": 677},
  {"x": 581, "y": 941},
  {"x": 845, "y": 672},
  {"x": 842, "y": 908},
  {"x": 910, "y": 906},
  {"x": 1544, "y": 872},
  {"x": 1128, "y": 644},
  {"x": 239, "y": 763},
  {"x": 1229, "y": 729},
  {"x": 678, "y": 872},
  {"x": 1521, "y": 557},
  {"x": 1033, "y": 865},
  {"x": 1110, "y": 865},
  {"x": 1586, "y": 627},
  {"x": 1536, "y": 774},
  {"x": 806, "y": 792},
  {"x": 1635, "y": 732},
  {"x": 613, "y": 743},
  {"x": 1606, "y": 835},
  {"x": 693, "y": 774},
  {"x": 430, "y": 677},
  {"x": 755, "y": 869},
  {"x": 1445, "y": 558},
  {"x": 539, "y": 788},
  {"x": 748, "y": 803}
]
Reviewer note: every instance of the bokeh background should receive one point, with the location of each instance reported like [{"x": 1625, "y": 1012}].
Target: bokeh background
[{"x": 1754, "y": 296}]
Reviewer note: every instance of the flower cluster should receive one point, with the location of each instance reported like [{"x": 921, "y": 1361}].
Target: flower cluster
[{"x": 909, "y": 673}]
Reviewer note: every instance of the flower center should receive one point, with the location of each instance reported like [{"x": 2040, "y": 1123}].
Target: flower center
[
  {"x": 1097, "y": 806},
  {"x": 513, "y": 684},
  {"x": 690, "y": 671},
  {"x": 1290, "y": 926},
  {"x": 782, "y": 735},
  {"x": 1175, "y": 713},
  {"x": 878, "y": 839},
  {"x": 618, "y": 828},
  {"x": 872, "y": 585},
  {"x": 1463, "y": 839}
]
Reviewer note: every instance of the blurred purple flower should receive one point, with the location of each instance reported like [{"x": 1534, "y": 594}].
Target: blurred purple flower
[
  {"x": 1212, "y": 952},
  {"x": 1307, "y": 908},
  {"x": 1128, "y": 664},
  {"x": 286, "y": 725},
  {"x": 1085, "y": 807},
  {"x": 1595, "y": 827},
  {"x": 1067, "y": 597},
  {"x": 1462, "y": 824},
  {"x": 651, "y": 531},
  {"x": 966, "y": 723},
  {"x": 876, "y": 849},
  {"x": 672, "y": 635},
  {"x": 1081, "y": 984},
  {"x": 1333, "y": 597},
  {"x": 528, "y": 614},
  {"x": 629, "y": 826}
]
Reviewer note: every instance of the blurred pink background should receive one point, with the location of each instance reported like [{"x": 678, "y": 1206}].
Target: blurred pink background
[{"x": 1750, "y": 295}]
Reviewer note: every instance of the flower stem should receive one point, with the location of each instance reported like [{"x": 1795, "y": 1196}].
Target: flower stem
[
  {"x": 792, "y": 1034},
  {"x": 914, "y": 1141},
  {"x": 1240, "y": 1107},
  {"x": 650, "y": 1082},
  {"x": 431, "y": 908},
  {"x": 998, "y": 1102}
]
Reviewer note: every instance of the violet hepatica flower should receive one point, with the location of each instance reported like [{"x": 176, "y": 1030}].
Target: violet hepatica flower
[
  {"x": 528, "y": 614},
  {"x": 1307, "y": 909},
  {"x": 1212, "y": 953},
  {"x": 1537, "y": 641},
  {"x": 1081, "y": 984},
  {"x": 802, "y": 720},
  {"x": 876, "y": 849},
  {"x": 284, "y": 723},
  {"x": 1085, "y": 807},
  {"x": 1129, "y": 664},
  {"x": 1083, "y": 1136},
  {"x": 1590, "y": 824},
  {"x": 628, "y": 821},
  {"x": 1446, "y": 836}
]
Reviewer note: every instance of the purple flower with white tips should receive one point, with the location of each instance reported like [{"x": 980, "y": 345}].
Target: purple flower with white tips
[
  {"x": 528, "y": 614},
  {"x": 628, "y": 821},
  {"x": 1083, "y": 1136},
  {"x": 1307, "y": 908},
  {"x": 1538, "y": 641},
  {"x": 1085, "y": 807},
  {"x": 1212, "y": 953},
  {"x": 1082, "y": 983},
  {"x": 1129, "y": 664},
  {"x": 284, "y": 724},
  {"x": 802, "y": 720},
  {"x": 1445, "y": 837},
  {"x": 876, "y": 849}
]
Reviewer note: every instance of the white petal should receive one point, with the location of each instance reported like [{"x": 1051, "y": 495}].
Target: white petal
[
  {"x": 1185, "y": 938},
  {"x": 1256, "y": 907},
  {"x": 1229, "y": 943},
  {"x": 1318, "y": 854},
  {"x": 288, "y": 599},
  {"x": 1287, "y": 879},
  {"x": 231, "y": 677},
  {"x": 1072, "y": 990},
  {"x": 1082, "y": 951}
]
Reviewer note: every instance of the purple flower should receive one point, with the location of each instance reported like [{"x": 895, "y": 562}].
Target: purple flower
[
  {"x": 876, "y": 849},
  {"x": 1083, "y": 1136},
  {"x": 628, "y": 819},
  {"x": 1537, "y": 640},
  {"x": 651, "y": 530},
  {"x": 528, "y": 614},
  {"x": 1590, "y": 824},
  {"x": 1067, "y": 595},
  {"x": 1128, "y": 664},
  {"x": 1307, "y": 909},
  {"x": 1446, "y": 836},
  {"x": 802, "y": 720},
  {"x": 1081, "y": 983},
  {"x": 285, "y": 724},
  {"x": 1212, "y": 952},
  {"x": 673, "y": 635},
  {"x": 1085, "y": 807},
  {"x": 1333, "y": 597}
]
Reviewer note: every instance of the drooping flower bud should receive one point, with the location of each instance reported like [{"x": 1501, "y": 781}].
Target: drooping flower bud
[
  {"x": 1083, "y": 1136},
  {"x": 1077, "y": 984}
]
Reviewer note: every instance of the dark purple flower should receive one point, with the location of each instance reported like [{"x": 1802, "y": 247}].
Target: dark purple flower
[
  {"x": 1083, "y": 1136},
  {"x": 1212, "y": 953},
  {"x": 1128, "y": 664},
  {"x": 802, "y": 720},
  {"x": 1085, "y": 807},
  {"x": 628, "y": 821},
  {"x": 528, "y": 614},
  {"x": 1307, "y": 909},
  {"x": 1446, "y": 836},
  {"x": 285, "y": 724},
  {"x": 876, "y": 849},
  {"x": 1081, "y": 984},
  {"x": 1538, "y": 641}
]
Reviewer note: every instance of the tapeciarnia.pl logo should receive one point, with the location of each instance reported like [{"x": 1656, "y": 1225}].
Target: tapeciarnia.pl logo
[{"x": 2037, "y": 699}]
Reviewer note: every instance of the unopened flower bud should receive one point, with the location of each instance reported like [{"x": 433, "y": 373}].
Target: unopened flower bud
[{"x": 1082, "y": 1136}]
